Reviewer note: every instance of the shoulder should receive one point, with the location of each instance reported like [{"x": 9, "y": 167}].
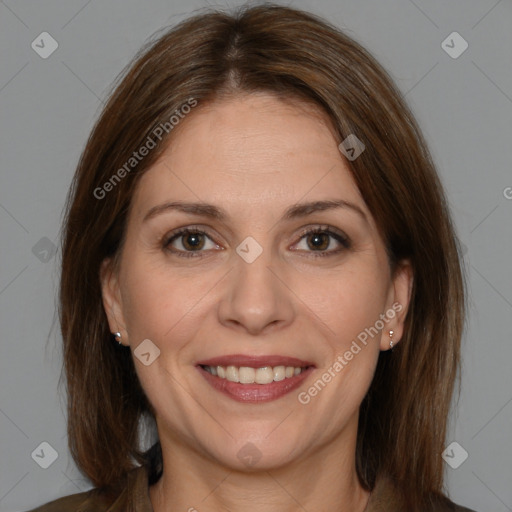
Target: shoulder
[
  {"x": 131, "y": 495},
  {"x": 386, "y": 496},
  {"x": 441, "y": 503},
  {"x": 445, "y": 505},
  {"x": 88, "y": 501}
]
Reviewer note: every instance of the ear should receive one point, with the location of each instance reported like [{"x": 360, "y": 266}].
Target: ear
[
  {"x": 112, "y": 302},
  {"x": 398, "y": 304}
]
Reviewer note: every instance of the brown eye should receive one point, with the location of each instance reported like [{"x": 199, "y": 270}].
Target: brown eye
[
  {"x": 318, "y": 241},
  {"x": 190, "y": 242},
  {"x": 323, "y": 241}
]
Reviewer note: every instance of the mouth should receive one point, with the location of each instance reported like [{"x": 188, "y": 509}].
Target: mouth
[{"x": 255, "y": 379}]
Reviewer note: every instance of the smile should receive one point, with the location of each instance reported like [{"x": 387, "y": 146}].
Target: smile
[
  {"x": 255, "y": 379},
  {"x": 248, "y": 375}
]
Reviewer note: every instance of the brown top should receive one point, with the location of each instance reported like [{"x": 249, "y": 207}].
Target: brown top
[{"x": 135, "y": 498}]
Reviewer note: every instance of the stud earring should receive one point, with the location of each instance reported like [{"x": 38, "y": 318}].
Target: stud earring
[
  {"x": 391, "y": 339},
  {"x": 117, "y": 336}
]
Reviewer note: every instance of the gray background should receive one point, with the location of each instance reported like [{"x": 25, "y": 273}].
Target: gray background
[{"x": 464, "y": 106}]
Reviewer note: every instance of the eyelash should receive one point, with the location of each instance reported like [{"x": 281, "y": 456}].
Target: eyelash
[{"x": 327, "y": 230}]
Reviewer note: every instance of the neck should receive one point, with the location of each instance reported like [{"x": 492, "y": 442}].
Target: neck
[{"x": 325, "y": 480}]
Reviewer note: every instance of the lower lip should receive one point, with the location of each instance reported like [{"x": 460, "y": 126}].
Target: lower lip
[{"x": 255, "y": 393}]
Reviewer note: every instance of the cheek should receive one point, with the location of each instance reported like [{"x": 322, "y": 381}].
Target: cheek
[
  {"x": 162, "y": 304},
  {"x": 350, "y": 302},
  {"x": 347, "y": 301}
]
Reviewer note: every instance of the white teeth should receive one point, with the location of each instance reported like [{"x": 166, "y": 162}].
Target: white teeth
[
  {"x": 232, "y": 374},
  {"x": 264, "y": 375},
  {"x": 279, "y": 373},
  {"x": 247, "y": 375}
]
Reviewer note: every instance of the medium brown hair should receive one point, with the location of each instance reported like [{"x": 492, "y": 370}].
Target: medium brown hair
[{"x": 292, "y": 54}]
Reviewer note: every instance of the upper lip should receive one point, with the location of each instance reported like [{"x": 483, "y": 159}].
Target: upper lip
[{"x": 255, "y": 361}]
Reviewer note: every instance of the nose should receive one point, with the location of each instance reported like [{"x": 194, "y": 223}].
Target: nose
[{"x": 256, "y": 298}]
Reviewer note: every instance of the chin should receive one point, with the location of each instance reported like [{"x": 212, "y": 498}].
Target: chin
[{"x": 253, "y": 455}]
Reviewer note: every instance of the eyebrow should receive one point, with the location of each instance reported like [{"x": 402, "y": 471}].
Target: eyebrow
[{"x": 295, "y": 211}]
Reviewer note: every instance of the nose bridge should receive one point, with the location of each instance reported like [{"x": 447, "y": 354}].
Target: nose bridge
[{"x": 255, "y": 297}]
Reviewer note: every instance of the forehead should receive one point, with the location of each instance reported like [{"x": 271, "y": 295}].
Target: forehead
[{"x": 249, "y": 151}]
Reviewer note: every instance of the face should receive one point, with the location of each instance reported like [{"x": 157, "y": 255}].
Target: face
[{"x": 281, "y": 281}]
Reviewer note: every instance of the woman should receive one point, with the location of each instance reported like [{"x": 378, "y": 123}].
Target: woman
[{"x": 257, "y": 221}]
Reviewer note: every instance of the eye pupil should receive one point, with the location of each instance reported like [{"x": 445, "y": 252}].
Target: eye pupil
[
  {"x": 318, "y": 241},
  {"x": 193, "y": 241}
]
